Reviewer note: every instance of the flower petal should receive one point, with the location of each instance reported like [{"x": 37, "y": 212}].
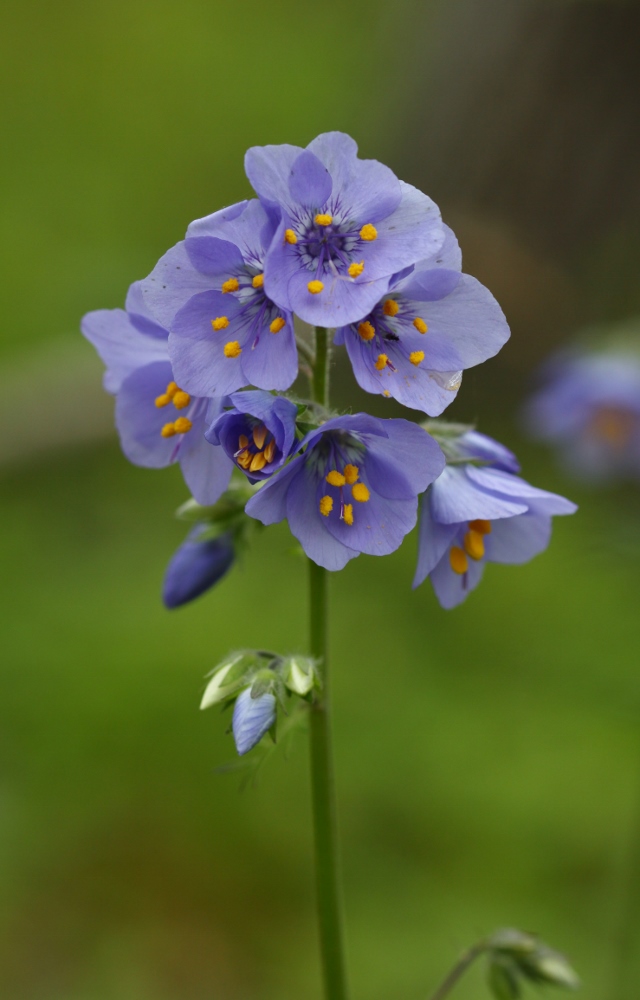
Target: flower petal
[
  {"x": 122, "y": 347},
  {"x": 518, "y": 539},
  {"x": 454, "y": 588},
  {"x": 173, "y": 281},
  {"x": 434, "y": 539},
  {"x": 307, "y": 523},
  {"x": 457, "y": 497},
  {"x": 252, "y": 718},
  {"x": 309, "y": 181},
  {"x": 197, "y": 350}
]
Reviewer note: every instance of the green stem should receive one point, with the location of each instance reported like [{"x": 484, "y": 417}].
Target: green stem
[
  {"x": 322, "y": 780},
  {"x": 458, "y": 970}
]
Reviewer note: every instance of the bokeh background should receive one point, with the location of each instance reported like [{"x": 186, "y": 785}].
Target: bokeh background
[{"x": 488, "y": 758}]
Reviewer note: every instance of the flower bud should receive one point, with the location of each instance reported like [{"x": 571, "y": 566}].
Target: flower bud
[
  {"x": 299, "y": 675},
  {"x": 196, "y": 566},
  {"x": 227, "y": 677},
  {"x": 503, "y": 979},
  {"x": 252, "y": 718}
]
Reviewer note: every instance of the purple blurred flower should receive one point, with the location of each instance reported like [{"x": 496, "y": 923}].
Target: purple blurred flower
[
  {"x": 590, "y": 409},
  {"x": 209, "y": 291},
  {"x": 425, "y": 330},
  {"x": 196, "y": 566},
  {"x": 354, "y": 488},
  {"x": 478, "y": 513},
  {"x": 252, "y": 718},
  {"x": 158, "y": 422},
  {"x": 347, "y": 225},
  {"x": 258, "y": 433}
]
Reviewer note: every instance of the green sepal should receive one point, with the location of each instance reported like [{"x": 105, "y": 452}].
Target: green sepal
[{"x": 503, "y": 978}]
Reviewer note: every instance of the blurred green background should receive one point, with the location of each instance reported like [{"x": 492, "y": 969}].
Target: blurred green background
[{"x": 488, "y": 758}]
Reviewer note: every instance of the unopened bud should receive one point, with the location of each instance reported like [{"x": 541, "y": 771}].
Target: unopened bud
[
  {"x": 503, "y": 979},
  {"x": 299, "y": 674},
  {"x": 252, "y": 718}
]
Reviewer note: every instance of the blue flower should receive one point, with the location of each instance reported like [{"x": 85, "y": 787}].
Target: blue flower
[
  {"x": 209, "y": 291},
  {"x": 252, "y": 718},
  {"x": 158, "y": 421},
  {"x": 258, "y": 433},
  {"x": 353, "y": 489},
  {"x": 477, "y": 513},
  {"x": 347, "y": 225},
  {"x": 196, "y": 566},
  {"x": 426, "y": 328},
  {"x": 589, "y": 407}
]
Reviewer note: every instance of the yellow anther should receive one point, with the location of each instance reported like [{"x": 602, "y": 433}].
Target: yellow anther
[
  {"x": 244, "y": 459},
  {"x": 420, "y": 325},
  {"x": 368, "y": 233},
  {"x": 259, "y": 436},
  {"x": 162, "y": 400},
  {"x": 220, "y": 323},
  {"x": 323, "y": 220},
  {"x": 360, "y": 493},
  {"x": 231, "y": 285},
  {"x": 474, "y": 544},
  {"x": 326, "y": 506},
  {"x": 182, "y": 425},
  {"x": 315, "y": 287},
  {"x": 355, "y": 270},
  {"x": 335, "y": 478},
  {"x": 258, "y": 462},
  {"x": 171, "y": 389},
  {"x": 181, "y": 399},
  {"x": 390, "y": 307},
  {"x": 416, "y": 357},
  {"x": 366, "y": 330},
  {"x": 270, "y": 450},
  {"x": 168, "y": 431},
  {"x": 385, "y": 392},
  {"x": 277, "y": 324},
  {"x": 347, "y": 514},
  {"x": 290, "y": 236},
  {"x": 232, "y": 349},
  {"x": 458, "y": 560},
  {"x": 350, "y": 473},
  {"x": 481, "y": 526},
  {"x": 258, "y": 280},
  {"x": 243, "y": 441},
  {"x": 381, "y": 362}
]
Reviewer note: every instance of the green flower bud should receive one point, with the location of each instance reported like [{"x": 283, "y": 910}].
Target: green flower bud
[
  {"x": 299, "y": 675},
  {"x": 227, "y": 677}
]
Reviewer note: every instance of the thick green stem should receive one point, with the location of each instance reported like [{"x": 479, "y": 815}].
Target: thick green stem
[{"x": 322, "y": 780}]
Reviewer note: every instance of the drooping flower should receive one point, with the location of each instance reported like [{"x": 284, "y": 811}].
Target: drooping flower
[
  {"x": 226, "y": 333},
  {"x": 253, "y": 716},
  {"x": 589, "y": 408},
  {"x": 479, "y": 511},
  {"x": 258, "y": 433},
  {"x": 196, "y": 566},
  {"x": 353, "y": 489},
  {"x": 158, "y": 421},
  {"x": 347, "y": 225},
  {"x": 426, "y": 328}
]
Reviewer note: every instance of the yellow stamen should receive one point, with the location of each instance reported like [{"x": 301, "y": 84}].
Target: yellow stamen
[
  {"x": 171, "y": 389},
  {"x": 182, "y": 425},
  {"x": 257, "y": 462},
  {"x": 326, "y": 506},
  {"x": 168, "y": 431},
  {"x": 243, "y": 441},
  {"x": 290, "y": 236},
  {"x": 474, "y": 544},
  {"x": 481, "y": 526},
  {"x": 323, "y": 220},
  {"x": 381, "y": 363},
  {"x": 244, "y": 459},
  {"x": 220, "y": 323},
  {"x": 232, "y": 349},
  {"x": 231, "y": 285},
  {"x": 347, "y": 515},
  {"x": 420, "y": 325},
  {"x": 270, "y": 450},
  {"x": 258, "y": 280},
  {"x": 366, "y": 330},
  {"x": 416, "y": 357},
  {"x": 162, "y": 400},
  {"x": 335, "y": 478},
  {"x": 355, "y": 270},
  {"x": 351, "y": 474},
  {"x": 315, "y": 287},
  {"x": 458, "y": 560},
  {"x": 277, "y": 324},
  {"x": 360, "y": 493},
  {"x": 390, "y": 307},
  {"x": 368, "y": 233},
  {"x": 181, "y": 399},
  {"x": 385, "y": 392},
  {"x": 259, "y": 436}
]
